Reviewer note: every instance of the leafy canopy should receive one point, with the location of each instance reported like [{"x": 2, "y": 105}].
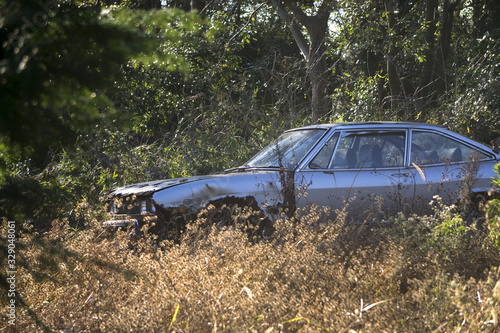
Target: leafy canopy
[{"x": 57, "y": 59}]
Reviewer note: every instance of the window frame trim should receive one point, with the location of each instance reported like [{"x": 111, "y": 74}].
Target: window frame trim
[{"x": 342, "y": 133}]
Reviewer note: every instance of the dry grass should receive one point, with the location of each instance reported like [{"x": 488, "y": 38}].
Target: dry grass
[{"x": 310, "y": 276}]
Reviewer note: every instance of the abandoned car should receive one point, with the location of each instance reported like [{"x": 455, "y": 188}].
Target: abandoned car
[{"x": 372, "y": 166}]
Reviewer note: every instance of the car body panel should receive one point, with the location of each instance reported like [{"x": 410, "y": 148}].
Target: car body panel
[
  {"x": 446, "y": 181},
  {"x": 264, "y": 186},
  {"x": 362, "y": 189},
  {"x": 152, "y": 187}
]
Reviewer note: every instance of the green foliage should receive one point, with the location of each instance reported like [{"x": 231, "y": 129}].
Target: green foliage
[
  {"x": 443, "y": 239},
  {"x": 58, "y": 65},
  {"x": 452, "y": 226},
  {"x": 497, "y": 171},
  {"x": 493, "y": 220},
  {"x": 22, "y": 197},
  {"x": 173, "y": 29},
  {"x": 473, "y": 108},
  {"x": 365, "y": 46},
  {"x": 51, "y": 90},
  {"x": 493, "y": 214}
]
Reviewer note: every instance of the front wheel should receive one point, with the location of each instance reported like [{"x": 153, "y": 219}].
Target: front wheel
[{"x": 241, "y": 213}]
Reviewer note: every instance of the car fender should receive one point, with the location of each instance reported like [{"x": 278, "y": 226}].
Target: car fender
[{"x": 263, "y": 186}]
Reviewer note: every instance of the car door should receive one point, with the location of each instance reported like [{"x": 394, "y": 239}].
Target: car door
[
  {"x": 364, "y": 169},
  {"x": 440, "y": 164}
]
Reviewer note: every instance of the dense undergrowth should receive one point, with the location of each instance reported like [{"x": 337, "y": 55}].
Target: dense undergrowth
[{"x": 406, "y": 273}]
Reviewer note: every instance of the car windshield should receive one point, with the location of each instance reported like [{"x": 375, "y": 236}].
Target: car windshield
[{"x": 287, "y": 150}]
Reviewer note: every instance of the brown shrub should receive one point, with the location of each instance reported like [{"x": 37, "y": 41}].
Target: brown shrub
[{"x": 311, "y": 275}]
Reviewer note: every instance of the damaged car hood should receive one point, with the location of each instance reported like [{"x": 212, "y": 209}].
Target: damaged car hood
[
  {"x": 195, "y": 192},
  {"x": 148, "y": 188}
]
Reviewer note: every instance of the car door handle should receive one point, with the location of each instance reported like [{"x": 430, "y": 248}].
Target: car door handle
[{"x": 405, "y": 174}]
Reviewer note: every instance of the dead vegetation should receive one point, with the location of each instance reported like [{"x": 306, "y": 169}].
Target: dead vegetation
[{"x": 407, "y": 273}]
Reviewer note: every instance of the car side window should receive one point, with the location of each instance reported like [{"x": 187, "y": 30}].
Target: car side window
[
  {"x": 434, "y": 148},
  {"x": 370, "y": 149},
  {"x": 323, "y": 158}
]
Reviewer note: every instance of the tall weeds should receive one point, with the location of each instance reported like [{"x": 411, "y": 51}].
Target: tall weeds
[{"x": 312, "y": 274}]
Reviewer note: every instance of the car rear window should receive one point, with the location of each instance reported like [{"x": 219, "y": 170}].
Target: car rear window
[{"x": 434, "y": 148}]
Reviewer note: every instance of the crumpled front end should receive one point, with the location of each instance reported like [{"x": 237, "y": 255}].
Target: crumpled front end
[
  {"x": 172, "y": 203},
  {"x": 134, "y": 205},
  {"x": 130, "y": 210}
]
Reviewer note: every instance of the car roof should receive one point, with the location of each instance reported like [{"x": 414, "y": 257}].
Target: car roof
[
  {"x": 371, "y": 124},
  {"x": 396, "y": 124}
]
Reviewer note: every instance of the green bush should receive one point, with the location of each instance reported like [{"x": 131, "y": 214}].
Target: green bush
[
  {"x": 493, "y": 219},
  {"x": 493, "y": 214}
]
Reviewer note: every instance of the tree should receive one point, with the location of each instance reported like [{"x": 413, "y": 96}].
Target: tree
[
  {"x": 418, "y": 95},
  {"x": 313, "y": 46},
  {"x": 410, "y": 52}
]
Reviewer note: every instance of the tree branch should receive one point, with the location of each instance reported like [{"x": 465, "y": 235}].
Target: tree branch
[
  {"x": 294, "y": 28},
  {"x": 299, "y": 13}
]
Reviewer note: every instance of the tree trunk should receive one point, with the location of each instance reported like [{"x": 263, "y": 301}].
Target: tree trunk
[
  {"x": 433, "y": 78},
  {"x": 444, "y": 42},
  {"x": 197, "y": 5},
  {"x": 317, "y": 67},
  {"x": 427, "y": 77},
  {"x": 397, "y": 93},
  {"x": 314, "y": 51}
]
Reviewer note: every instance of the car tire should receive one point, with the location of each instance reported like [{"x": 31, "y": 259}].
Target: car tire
[{"x": 242, "y": 213}]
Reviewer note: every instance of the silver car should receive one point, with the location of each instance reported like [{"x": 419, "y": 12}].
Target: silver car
[{"x": 372, "y": 166}]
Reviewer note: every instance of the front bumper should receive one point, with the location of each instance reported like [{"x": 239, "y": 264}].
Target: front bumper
[
  {"x": 120, "y": 220},
  {"x": 119, "y": 223}
]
